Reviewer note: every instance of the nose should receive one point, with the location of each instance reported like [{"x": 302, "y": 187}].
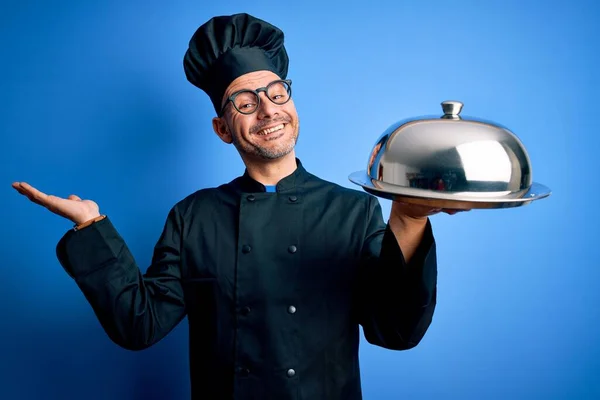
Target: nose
[{"x": 266, "y": 109}]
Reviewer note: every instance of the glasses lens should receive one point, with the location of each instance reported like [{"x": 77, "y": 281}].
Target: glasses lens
[
  {"x": 279, "y": 92},
  {"x": 246, "y": 102}
]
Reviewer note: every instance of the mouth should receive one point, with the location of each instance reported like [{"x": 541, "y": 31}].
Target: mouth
[{"x": 272, "y": 131}]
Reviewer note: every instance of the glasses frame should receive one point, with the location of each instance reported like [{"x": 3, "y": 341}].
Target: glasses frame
[{"x": 231, "y": 98}]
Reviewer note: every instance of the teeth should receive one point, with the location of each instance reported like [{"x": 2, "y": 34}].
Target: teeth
[{"x": 271, "y": 130}]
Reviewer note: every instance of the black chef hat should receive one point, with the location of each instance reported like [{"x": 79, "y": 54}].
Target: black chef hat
[{"x": 227, "y": 47}]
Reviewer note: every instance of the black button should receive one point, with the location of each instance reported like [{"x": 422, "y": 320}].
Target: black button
[
  {"x": 293, "y": 199},
  {"x": 245, "y": 310},
  {"x": 243, "y": 371},
  {"x": 292, "y": 249},
  {"x": 292, "y": 309},
  {"x": 246, "y": 249},
  {"x": 251, "y": 197}
]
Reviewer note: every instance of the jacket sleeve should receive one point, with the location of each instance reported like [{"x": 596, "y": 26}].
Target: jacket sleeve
[
  {"x": 396, "y": 300},
  {"x": 136, "y": 310}
]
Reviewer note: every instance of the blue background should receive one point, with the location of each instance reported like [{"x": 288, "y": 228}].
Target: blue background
[{"x": 94, "y": 102}]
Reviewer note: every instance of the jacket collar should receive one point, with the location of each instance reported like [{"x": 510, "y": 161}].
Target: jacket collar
[{"x": 248, "y": 185}]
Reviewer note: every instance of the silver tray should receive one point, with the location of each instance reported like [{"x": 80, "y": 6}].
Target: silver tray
[{"x": 449, "y": 200}]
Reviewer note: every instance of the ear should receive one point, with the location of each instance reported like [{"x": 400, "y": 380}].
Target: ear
[{"x": 221, "y": 129}]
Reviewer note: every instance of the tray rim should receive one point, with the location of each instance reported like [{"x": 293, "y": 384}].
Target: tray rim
[{"x": 362, "y": 179}]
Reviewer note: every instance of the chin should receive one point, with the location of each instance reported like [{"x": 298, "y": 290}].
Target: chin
[{"x": 274, "y": 154}]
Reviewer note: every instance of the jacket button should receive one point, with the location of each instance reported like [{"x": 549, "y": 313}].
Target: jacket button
[
  {"x": 293, "y": 199},
  {"x": 292, "y": 309},
  {"x": 243, "y": 371},
  {"x": 251, "y": 197},
  {"x": 245, "y": 310},
  {"x": 292, "y": 249},
  {"x": 291, "y": 372},
  {"x": 246, "y": 249}
]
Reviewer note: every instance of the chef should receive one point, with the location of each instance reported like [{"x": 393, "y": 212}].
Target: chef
[{"x": 275, "y": 271}]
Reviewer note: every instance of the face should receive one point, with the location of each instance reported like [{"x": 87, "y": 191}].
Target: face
[{"x": 271, "y": 132}]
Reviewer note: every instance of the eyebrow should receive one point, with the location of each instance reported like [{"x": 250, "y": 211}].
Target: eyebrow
[
  {"x": 256, "y": 87},
  {"x": 241, "y": 88}
]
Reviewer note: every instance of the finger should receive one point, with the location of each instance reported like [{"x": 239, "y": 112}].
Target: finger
[
  {"x": 451, "y": 211},
  {"x": 416, "y": 207},
  {"x": 30, "y": 192},
  {"x": 74, "y": 197},
  {"x": 19, "y": 187},
  {"x": 51, "y": 202},
  {"x": 25, "y": 188}
]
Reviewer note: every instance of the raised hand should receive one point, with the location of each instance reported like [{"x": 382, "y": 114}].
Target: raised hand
[{"x": 71, "y": 208}]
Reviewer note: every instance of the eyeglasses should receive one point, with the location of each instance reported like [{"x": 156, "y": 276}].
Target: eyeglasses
[{"x": 247, "y": 101}]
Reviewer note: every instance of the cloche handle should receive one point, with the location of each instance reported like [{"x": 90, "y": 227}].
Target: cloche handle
[{"x": 452, "y": 109}]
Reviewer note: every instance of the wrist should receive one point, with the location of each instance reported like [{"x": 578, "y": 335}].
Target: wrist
[
  {"x": 403, "y": 224},
  {"x": 85, "y": 218},
  {"x": 88, "y": 221}
]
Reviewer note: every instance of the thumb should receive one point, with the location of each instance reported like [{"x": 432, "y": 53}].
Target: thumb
[{"x": 74, "y": 197}]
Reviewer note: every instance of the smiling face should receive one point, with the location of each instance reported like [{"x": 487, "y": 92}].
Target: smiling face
[{"x": 271, "y": 132}]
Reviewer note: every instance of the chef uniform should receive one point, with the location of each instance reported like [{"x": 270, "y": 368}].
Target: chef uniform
[{"x": 274, "y": 283}]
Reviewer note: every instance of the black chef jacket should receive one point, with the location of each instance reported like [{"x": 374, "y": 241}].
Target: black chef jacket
[{"x": 274, "y": 287}]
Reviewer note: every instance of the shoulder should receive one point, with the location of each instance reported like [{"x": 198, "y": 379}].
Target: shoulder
[
  {"x": 331, "y": 191},
  {"x": 202, "y": 199}
]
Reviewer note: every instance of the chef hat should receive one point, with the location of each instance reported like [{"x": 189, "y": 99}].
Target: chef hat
[{"x": 227, "y": 47}]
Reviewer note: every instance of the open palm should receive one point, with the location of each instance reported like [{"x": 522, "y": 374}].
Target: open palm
[{"x": 72, "y": 208}]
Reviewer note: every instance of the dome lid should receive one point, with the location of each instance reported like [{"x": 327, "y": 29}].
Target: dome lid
[{"x": 450, "y": 161}]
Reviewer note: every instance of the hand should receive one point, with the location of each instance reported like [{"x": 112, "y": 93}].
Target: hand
[
  {"x": 418, "y": 212},
  {"x": 72, "y": 208}
]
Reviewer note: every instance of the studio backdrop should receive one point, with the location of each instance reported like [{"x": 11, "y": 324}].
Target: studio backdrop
[{"x": 94, "y": 101}]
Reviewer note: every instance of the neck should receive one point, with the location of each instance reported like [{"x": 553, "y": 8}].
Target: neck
[{"x": 270, "y": 172}]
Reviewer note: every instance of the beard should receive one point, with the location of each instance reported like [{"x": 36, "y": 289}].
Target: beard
[{"x": 283, "y": 147}]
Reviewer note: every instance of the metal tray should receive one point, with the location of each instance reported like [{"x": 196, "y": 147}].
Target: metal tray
[{"x": 448, "y": 200}]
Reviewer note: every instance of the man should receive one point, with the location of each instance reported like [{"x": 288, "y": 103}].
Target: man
[{"x": 275, "y": 270}]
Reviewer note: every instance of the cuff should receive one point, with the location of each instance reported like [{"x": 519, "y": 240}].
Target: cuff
[{"x": 81, "y": 252}]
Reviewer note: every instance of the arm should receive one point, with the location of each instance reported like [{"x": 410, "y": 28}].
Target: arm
[
  {"x": 135, "y": 310},
  {"x": 408, "y": 230},
  {"x": 397, "y": 297}
]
